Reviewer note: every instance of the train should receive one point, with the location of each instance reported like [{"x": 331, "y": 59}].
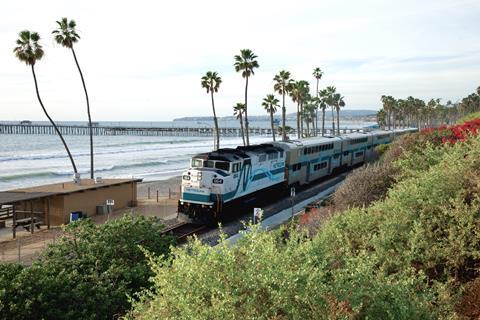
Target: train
[{"x": 220, "y": 183}]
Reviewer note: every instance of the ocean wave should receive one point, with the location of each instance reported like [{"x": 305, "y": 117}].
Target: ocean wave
[
  {"x": 75, "y": 155},
  {"x": 46, "y": 174}
]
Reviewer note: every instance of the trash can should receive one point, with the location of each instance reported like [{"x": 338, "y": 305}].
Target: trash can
[{"x": 75, "y": 215}]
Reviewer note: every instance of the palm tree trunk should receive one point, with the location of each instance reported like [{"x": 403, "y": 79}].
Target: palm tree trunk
[
  {"x": 298, "y": 120},
  {"x": 246, "y": 113},
  {"x": 333, "y": 121},
  {"x": 241, "y": 128},
  {"x": 284, "y": 115},
  {"x": 338, "y": 120},
  {"x": 88, "y": 112},
  {"x": 51, "y": 121},
  {"x": 271, "y": 122},
  {"x": 316, "y": 112},
  {"x": 323, "y": 122},
  {"x": 301, "y": 120},
  {"x": 216, "y": 144}
]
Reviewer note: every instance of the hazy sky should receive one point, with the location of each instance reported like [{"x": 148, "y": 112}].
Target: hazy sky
[{"x": 143, "y": 60}]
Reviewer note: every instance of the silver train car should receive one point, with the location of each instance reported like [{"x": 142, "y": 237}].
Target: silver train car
[{"x": 220, "y": 183}]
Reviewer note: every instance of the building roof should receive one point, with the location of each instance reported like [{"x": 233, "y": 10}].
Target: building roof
[
  {"x": 10, "y": 197},
  {"x": 38, "y": 192}
]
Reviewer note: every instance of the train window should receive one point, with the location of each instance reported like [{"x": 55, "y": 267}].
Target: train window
[
  {"x": 272, "y": 156},
  {"x": 262, "y": 158},
  {"x": 209, "y": 164},
  {"x": 317, "y": 149},
  {"x": 358, "y": 154},
  {"x": 320, "y": 166},
  {"x": 222, "y": 165},
  {"x": 235, "y": 167},
  {"x": 305, "y": 151},
  {"x": 336, "y": 156},
  {"x": 297, "y": 167},
  {"x": 345, "y": 153},
  {"x": 281, "y": 154},
  {"x": 197, "y": 163}
]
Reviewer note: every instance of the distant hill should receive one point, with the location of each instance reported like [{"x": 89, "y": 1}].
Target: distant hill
[{"x": 345, "y": 114}]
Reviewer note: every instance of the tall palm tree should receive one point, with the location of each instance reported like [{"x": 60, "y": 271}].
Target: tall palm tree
[
  {"x": 299, "y": 94},
  {"x": 270, "y": 103},
  {"x": 317, "y": 74},
  {"x": 309, "y": 114},
  {"x": 28, "y": 50},
  {"x": 66, "y": 35},
  {"x": 323, "y": 105},
  {"x": 245, "y": 63},
  {"x": 283, "y": 85},
  {"x": 238, "y": 111},
  {"x": 339, "y": 103},
  {"x": 331, "y": 90},
  {"x": 211, "y": 82}
]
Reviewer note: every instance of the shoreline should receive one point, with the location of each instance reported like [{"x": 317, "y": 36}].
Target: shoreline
[{"x": 163, "y": 186}]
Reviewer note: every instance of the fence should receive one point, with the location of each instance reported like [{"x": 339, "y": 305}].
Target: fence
[{"x": 26, "y": 249}]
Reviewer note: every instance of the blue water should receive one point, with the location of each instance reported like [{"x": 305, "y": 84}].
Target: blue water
[{"x": 29, "y": 160}]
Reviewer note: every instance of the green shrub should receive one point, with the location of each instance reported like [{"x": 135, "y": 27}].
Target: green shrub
[
  {"x": 414, "y": 255},
  {"x": 88, "y": 273},
  {"x": 469, "y": 117}
]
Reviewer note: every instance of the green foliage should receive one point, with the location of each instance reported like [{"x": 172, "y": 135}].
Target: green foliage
[
  {"x": 382, "y": 148},
  {"x": 469, "y": 117},
  {"x": 414, "y": 255},
  {"x": 88, "y": 274}
]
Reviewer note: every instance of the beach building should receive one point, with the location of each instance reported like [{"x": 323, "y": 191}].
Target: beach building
[{"x": 52, "y": 204}]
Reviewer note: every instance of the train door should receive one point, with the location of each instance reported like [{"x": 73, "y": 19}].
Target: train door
[{"x": 307, "y": 179}]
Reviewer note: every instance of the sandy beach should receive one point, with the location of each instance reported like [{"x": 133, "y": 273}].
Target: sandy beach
[{"x": 163, "y": 187}]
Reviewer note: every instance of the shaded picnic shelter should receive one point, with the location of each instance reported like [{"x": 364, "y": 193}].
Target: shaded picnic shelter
[{"x": 52, "y": 204}]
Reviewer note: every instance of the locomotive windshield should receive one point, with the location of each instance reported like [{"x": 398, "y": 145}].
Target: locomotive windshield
[{"x": 222, "y": 165}]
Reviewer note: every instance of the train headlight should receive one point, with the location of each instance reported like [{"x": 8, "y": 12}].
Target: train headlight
[
  {"x": 186, "y": 177},
  {"x": 218, "y": 181}
]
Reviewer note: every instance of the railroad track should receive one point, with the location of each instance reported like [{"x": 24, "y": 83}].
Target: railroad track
[{"x": 184, "y": 229}]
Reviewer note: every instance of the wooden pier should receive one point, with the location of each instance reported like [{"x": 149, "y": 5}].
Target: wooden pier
[{"x": 36, "y": 129}]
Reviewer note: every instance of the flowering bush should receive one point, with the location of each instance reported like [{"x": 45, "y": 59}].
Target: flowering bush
[{"x": 452, "y": 134}]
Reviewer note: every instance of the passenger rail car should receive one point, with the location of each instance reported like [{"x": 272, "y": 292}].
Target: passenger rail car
[{"x": 227, "y": 180}]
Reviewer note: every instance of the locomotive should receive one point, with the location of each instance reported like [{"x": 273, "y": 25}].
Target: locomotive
[{"x": 228, "y": 180}]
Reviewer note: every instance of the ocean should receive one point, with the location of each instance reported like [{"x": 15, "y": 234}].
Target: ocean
[{"x": 29, "y": 160}]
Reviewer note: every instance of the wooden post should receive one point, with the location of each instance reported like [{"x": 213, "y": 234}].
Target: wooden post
[
  {"x": 18, "y": 248},
  {"x": 157, "y": 195},
  {"x": 169, "y": 194},
  {"x": 148, "y": 192},
  {"x": 14, "y": 223},
  {"x": 31, "y": 216}
]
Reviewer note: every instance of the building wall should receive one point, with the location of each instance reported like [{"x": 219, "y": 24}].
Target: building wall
[{"x": 88, "y": 200}]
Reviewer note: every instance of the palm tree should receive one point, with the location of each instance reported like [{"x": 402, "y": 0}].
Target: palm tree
[
  {"x": 309, "y": 115},
  {"x": 270, "y": 103},
  {"x": 28, "y": 50},
  {"x": 66, "y": 35},
  {"x": 317, "y": 74},
  {"x": 299, "y": 94},
  {"x": 339, "y": 103},
  {"x": 238, "y": 111},
  {"x": 283, "y": 85},
  {"x": 323, "y": 105},
  {"x": 331, "y": 90},
  {"x": 245, "y": 62},
  {"x": 211, "y": 82}
]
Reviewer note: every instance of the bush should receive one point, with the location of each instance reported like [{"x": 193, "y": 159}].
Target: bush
[
  {"x": 469, "y": 117},
  {"x": 88, "y": 274},
  {"x": 414, "y": 255},
  {"x": 364, "y": 186}
]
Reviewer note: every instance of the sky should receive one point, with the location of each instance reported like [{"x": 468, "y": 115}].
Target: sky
[{"x": 143, "y": 60}]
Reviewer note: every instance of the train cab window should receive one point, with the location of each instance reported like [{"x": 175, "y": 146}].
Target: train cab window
[
  {"x": 281, "y": 154},
  {"x": 197, "y": 163},
  {"x": 236, "y": 167},
  {"x": 209, "y": 164},
  {"x": 272, "y": 156},
  {"x": 305, "y": 151},
  {"x": 262, "y": 158},
  {"x": 222, "y": 165}
]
